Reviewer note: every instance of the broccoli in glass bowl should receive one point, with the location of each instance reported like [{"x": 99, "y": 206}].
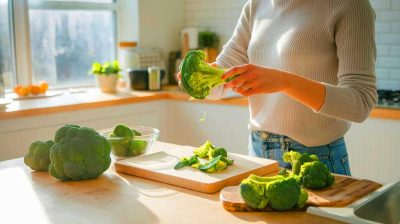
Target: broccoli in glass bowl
[{"x": 130, "y": 141}]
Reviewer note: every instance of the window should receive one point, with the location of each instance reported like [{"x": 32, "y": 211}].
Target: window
[
  {"x": 58, "y": 40},
  {"x": 64, "y": 47},
  {"x": 6, "y": 62}
]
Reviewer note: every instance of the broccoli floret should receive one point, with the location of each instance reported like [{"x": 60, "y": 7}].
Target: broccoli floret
[
  {"x": 124, "y": 144},
  {"x": 213, "y": 152},
  {"x": 203, "y": 150},
  {"x": 187, "y": 161},
  {"x": 122, "y": 131},
  {"x": 278, "y": 192},
  {"x": 137, "y": 147},
  {"x": 214, "y": 165},
  {"x": 79, "y": 153},
  {"x": 38, "y": 156},
  {"x": 302, "y": 199},
  {"x": 297, "y": 159},
  {"x": 217, "y": 159},
  {"x": 315, "y": 175},
  {"x": 198, "y": 77}
]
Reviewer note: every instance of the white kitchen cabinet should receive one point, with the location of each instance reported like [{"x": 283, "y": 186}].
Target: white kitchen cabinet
[
  {"x": 17, "y": 134},
  {"x": 374, "y": 149}
]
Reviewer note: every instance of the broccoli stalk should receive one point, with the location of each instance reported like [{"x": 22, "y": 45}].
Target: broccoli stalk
[
  {"x": 278, "y": 192},
  {"x": 198, "y": 77}
]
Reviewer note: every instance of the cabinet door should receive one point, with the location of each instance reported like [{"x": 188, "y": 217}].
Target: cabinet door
[
  {"x": 17, "y": 134},
  {"x": 374, "y": 151}
]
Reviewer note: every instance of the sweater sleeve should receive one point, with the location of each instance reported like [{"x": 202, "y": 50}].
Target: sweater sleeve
[
  {"x": 355, "y": 94},
  {"x": 234, "y": 52}
]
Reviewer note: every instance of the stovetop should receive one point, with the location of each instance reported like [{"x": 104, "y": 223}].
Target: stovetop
[{"x": 388, "y": 98}]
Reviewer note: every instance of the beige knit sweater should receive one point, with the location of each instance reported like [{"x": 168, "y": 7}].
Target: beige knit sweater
[{"x": 329, "y": 41}]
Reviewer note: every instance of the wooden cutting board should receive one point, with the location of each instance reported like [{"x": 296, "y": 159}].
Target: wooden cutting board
[
  {"x": 343, "y": 192},
  {"x": 159, "y": 166}
]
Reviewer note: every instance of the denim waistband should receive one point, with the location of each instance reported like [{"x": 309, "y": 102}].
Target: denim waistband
[{"x": 271, "y": 137}]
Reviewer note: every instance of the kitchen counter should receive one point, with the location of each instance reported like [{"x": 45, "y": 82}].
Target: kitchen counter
[
  {"x": 92, "y": 98},
  {"x": 37, "y": 197}
]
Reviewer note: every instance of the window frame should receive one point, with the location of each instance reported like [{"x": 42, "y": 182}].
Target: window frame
[{"x": 20, "y": 32}]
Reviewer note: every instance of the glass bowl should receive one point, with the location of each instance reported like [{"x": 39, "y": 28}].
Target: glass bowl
[{"x": 123, "y": 148}]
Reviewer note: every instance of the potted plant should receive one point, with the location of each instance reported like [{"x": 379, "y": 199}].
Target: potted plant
[
  {"x": 208, "y": 42},
  {"x": 107, "y": 75}
]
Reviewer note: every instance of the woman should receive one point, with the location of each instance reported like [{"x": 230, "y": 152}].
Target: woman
[{"x": 308, "y": 69}]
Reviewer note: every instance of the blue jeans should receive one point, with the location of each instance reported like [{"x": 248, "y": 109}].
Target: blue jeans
[{"x": 272, "y": 146}]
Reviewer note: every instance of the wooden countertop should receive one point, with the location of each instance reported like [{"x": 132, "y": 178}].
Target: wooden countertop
[
  {"x": 93, "y": 98},
  {"x": 37, "y": 197}
]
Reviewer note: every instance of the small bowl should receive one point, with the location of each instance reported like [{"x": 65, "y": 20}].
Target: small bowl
[{"x": 123, "y": 148}]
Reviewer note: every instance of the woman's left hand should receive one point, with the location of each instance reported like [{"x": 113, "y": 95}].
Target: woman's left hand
[{"x": 255, "y": 79}]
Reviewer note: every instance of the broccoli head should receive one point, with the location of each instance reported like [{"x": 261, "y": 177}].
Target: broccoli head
[
  {"x": 79, "y": 153},
  {"x": 315, "y": 175},
  {"x": 38, "y": 156},
  {"x": 278, "y": 192},
  {"x": 198, "y": 77},
  {"x": 297, "y": 159}
]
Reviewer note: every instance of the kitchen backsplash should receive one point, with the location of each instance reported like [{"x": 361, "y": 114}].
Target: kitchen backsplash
[{"x": 221, "y": 16}]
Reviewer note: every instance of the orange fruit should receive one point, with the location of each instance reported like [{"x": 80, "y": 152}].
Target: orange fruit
[
  {"x": 35, "y": 89},
  {"x": 43, "y": 86},
  {"x": 24, "y": 91},
  {"x": 16, "y": 88}
]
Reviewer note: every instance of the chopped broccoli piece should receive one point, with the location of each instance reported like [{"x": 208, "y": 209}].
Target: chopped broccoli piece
[
  {"x": 187, "y": 161},
  {"x": 124, "y": 144},
  {"x": 213, "y": 152},
  {"x": 137, "y": 147},
  {"x": 297, "y": 159},
  {"x": 315, "y": 175},
  {"x": 214, "y": 165},
  {"x": 122, "y": 131},
  {"x": 202, "y": 151},
  {"x": 198, "y": 77}
]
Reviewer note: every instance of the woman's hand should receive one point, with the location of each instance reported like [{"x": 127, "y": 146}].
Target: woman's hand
[{"x": 255, "y": 79}]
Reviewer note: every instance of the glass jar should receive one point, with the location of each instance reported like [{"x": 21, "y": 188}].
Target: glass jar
[{"x": 128, "y": 59}]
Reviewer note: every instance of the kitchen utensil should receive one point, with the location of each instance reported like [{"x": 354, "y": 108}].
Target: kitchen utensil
[
  {"x": 154, "y": 78},
  {"x": 159, "y": 166},
  {"x": 189, "y": 39},
  {"x": 139, "y": 78},
  {"x": 343, "y": 192}
]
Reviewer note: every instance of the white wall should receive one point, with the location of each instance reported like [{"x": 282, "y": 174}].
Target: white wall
[
  {"x": 160, "y": 24},
  {"x": 221, "y": 17},
  {"x": 388, "y": 42}
]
